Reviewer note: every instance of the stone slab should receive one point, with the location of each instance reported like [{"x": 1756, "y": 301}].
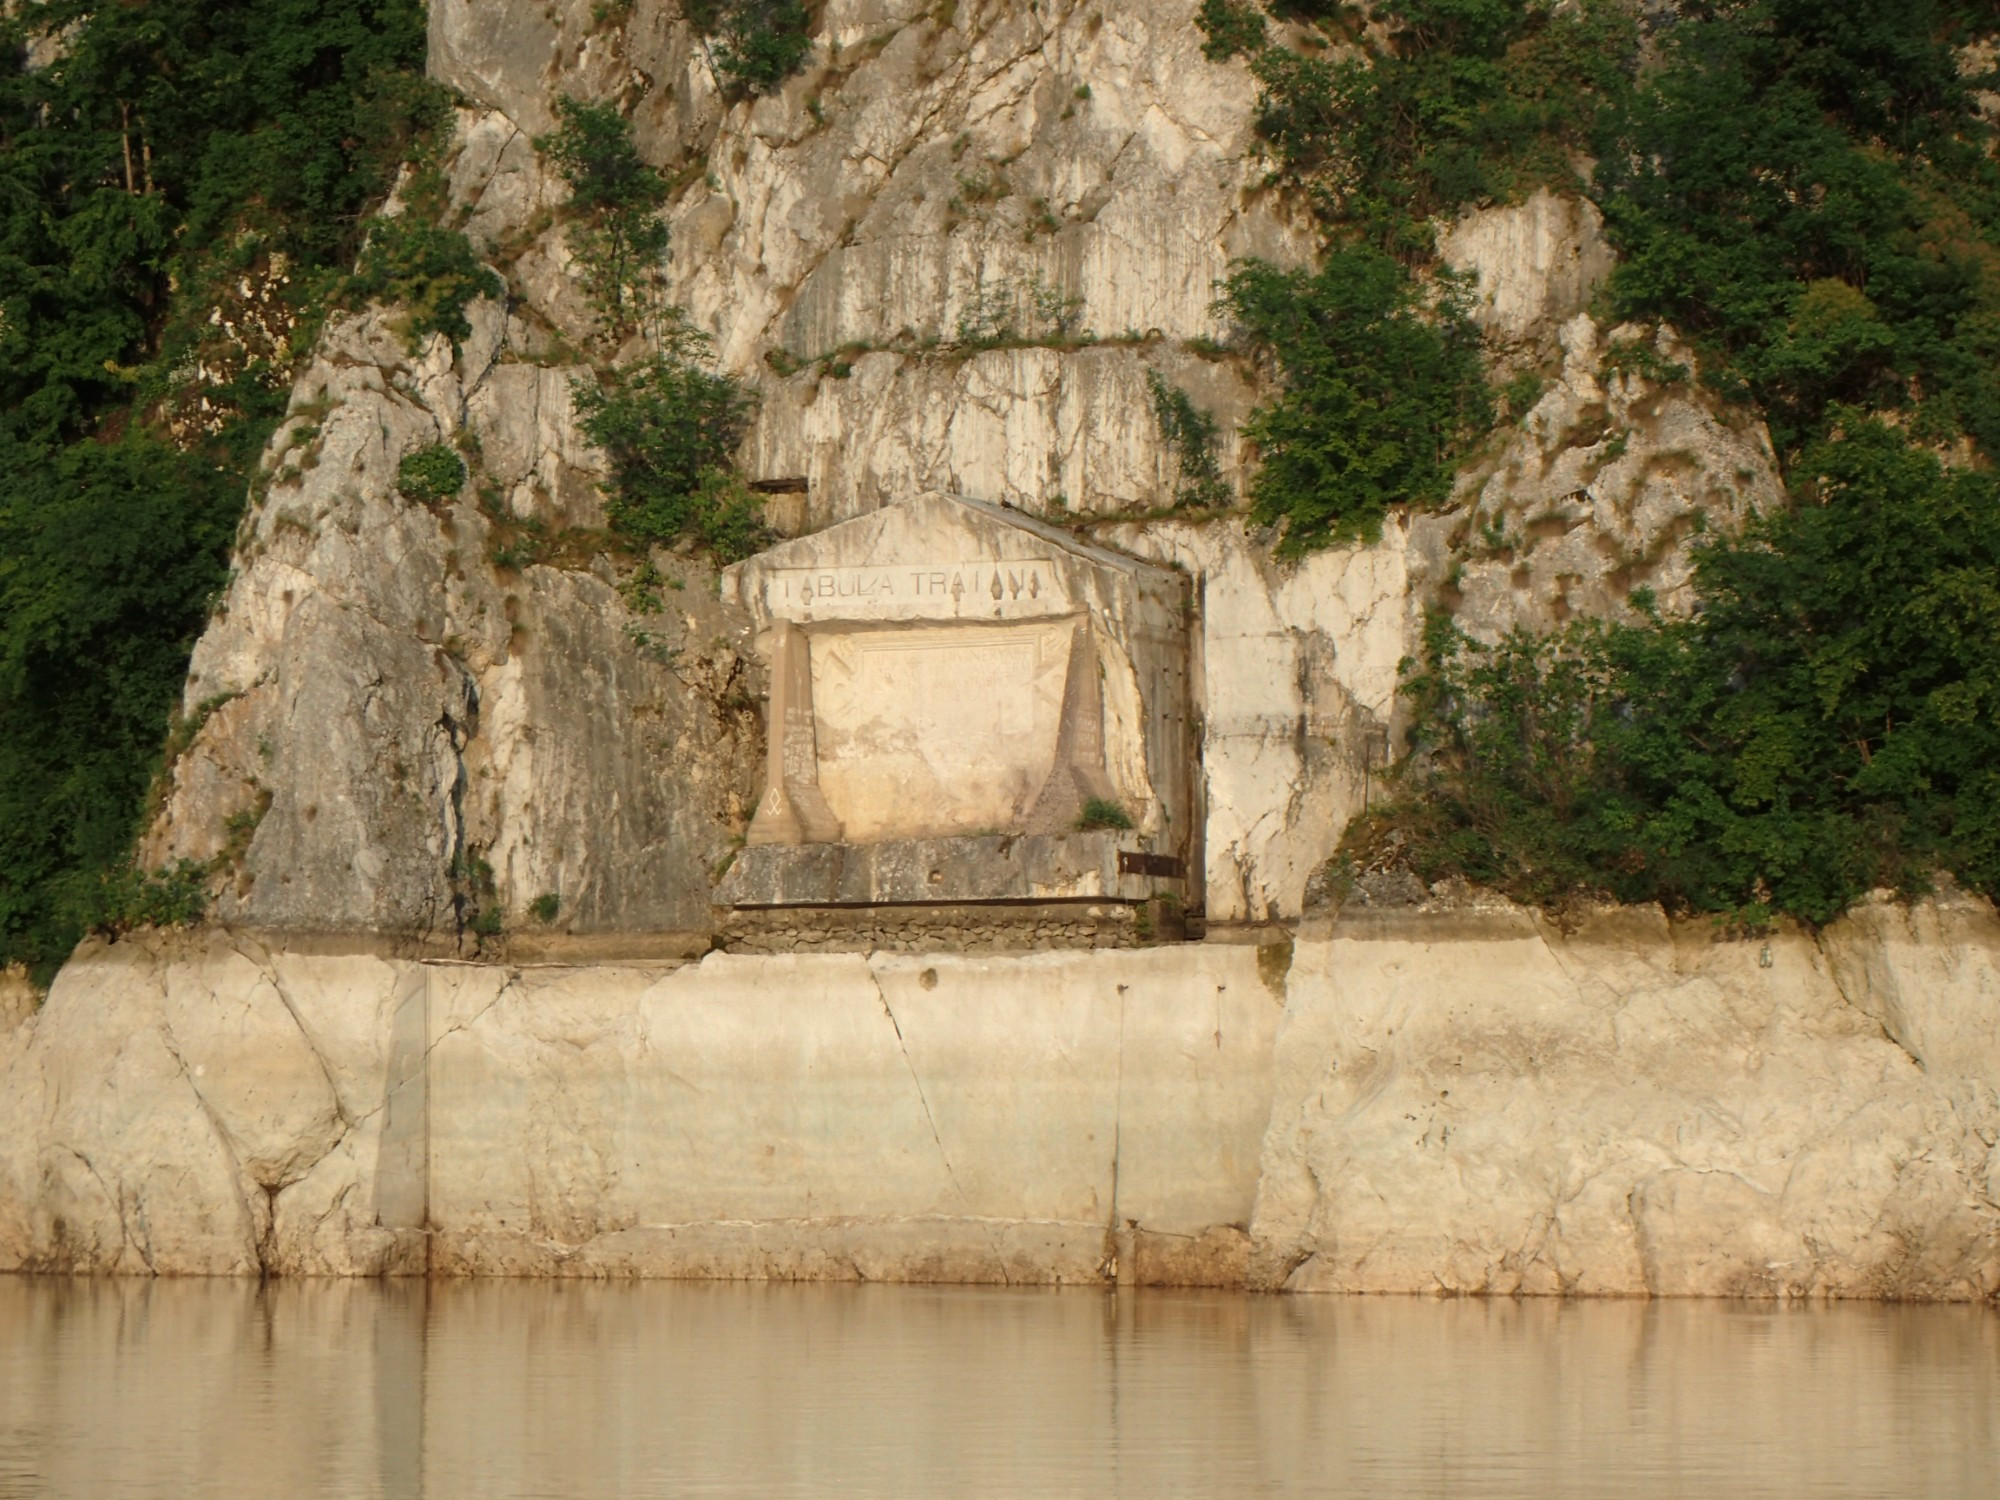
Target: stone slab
[
  {"x": 945, "y": 668},
  {"x": 994, "y": 867}
]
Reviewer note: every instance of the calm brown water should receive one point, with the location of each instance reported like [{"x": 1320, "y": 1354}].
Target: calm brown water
[{"x": 497, "y": 1390}]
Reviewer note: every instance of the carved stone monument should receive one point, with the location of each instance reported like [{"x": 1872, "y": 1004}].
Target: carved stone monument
[{"x": 966, "y": 705}]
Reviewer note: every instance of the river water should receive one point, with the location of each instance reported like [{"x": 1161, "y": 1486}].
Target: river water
[{"x": 494, "y": 1390}]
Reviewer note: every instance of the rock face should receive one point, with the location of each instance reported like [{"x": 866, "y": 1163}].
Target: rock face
[
  {"x": 947, "y": 255},
  {"x": 969, "y": 234},
  {"x": 1459, "y": 1101},
  {"x": 399, "y": 728},
  {"x": 1637, "y": 1108}
]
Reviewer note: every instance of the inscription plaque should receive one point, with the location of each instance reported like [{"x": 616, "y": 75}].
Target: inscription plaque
[
  {"x": 977, "y": 589},
  {"x": 931, "y": 730},
  {"x": 945, "y": 672}
]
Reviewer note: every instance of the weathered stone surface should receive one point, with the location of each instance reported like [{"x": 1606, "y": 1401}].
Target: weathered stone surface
[
  {"x": 942, "y": 667},
  {"x": 1296, "y": 674},
  {"x": 1058, "y": 432},
  {"x": 1601, "y": 488},
  {"x": 903, "y": 1117},
  {"x": 1535, "y": 266},
  {"x": 1470, "y": 1103},
  {"x": 995, "y": 867},
  {"x": 1067, "y": 183},
  {"x": 387, "y": 711},
  {"x": 1429, "y": 1101}
]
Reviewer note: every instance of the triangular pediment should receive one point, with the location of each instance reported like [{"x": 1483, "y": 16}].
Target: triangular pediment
[{"x": 941, "y": 557}]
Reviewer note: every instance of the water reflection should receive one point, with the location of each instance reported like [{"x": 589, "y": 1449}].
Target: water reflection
[{"x": 499, "y": 1389}]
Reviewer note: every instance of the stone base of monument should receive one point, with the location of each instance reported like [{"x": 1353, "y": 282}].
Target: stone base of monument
[
  {"x": 972, "y": 928},
  {"x": 1106, "y": 865}
]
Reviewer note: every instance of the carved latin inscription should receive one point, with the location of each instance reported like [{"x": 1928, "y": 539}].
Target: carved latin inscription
[{"x": 977, "y": 590}]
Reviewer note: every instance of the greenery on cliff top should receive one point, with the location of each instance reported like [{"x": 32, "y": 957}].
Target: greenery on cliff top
[
  {"x": 178, "y": 182},
  {"x": 1807, "y": 191}
]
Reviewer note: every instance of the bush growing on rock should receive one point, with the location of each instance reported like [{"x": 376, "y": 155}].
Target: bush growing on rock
[
  {"x": 430, "y": 272},
  {"x": 670, "y": 426},
  {"x": 616, "y": 233},
  {"x": 1792, "y": 745},
  {"x": 758, "y": 44},
  {"x": 1382, "y": 390},
  {"x": 430, "y": 475}
]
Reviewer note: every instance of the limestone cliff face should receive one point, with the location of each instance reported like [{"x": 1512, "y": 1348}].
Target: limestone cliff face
[
  {"x": 412, "y": 713},
  {"x": 1443, "y": 1101},
  {"x": 406, "y": 732},
  {"x": 387, "y": 713}
]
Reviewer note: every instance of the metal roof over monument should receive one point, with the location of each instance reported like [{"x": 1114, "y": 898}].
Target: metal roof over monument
[{"x": 966, "y": 705}]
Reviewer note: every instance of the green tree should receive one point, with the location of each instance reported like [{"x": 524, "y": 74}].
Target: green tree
[
  {"x": 758, "y": 44},
  {"x": 1380, "y": 392},
  {"x": 166, "y": 157},
  {"x": 617, "y": 234},
  {"x": 1808, "y": 192},
  {"x": 670, "y": 426}
]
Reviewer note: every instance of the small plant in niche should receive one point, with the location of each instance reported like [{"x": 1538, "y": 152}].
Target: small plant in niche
[
  {"x": 1191, "y": 433},
  {"x": 1102, "y": 812},
  {"x": 545, "y": 907},
  {"x": 430, "y": 475}
]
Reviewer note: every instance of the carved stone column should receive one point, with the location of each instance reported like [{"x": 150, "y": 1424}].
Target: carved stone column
[
  {"x": 792, "y": 809},
  {"x": 1079, "y": 773}
]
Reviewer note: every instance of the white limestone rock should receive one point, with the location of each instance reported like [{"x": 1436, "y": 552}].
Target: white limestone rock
[
  {"x": 1474, "y": 1103},
  {"x": 1447, "y": 1101},
  {"x": 1535, "y": 265},
  {"x": 1297, "y": 668},
  {"x": 376, "y": 693},
  {"x": 1606, "y": 486}
]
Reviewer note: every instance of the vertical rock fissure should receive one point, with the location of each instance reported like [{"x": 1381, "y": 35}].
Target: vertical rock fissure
[{"x": 999, "y": 1261}]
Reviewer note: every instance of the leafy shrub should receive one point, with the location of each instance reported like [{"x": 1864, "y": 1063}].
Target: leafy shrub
[
  {"x": 618, "y": 237},
  {"x": 758, "y": 43},
  {"x": 1809, "y": 193},
  {"x": 1791, "y": 746},
  {"x": 1101, "y": 812},
  {"x": 1190, "y": 432},
  {"x": 670, "y": 426},
  {"x": 1381, "y": 392},
  {"x": 1232, "y": 29},
  {"x": 545, "y": 907},
  {"x": 164, "y": 158},
  {"x": 430, "y": 475},
  {"x": 1014, "y": 311},
  {"x": 1456, "y": 102},
  {"x": 431, "y": 272},
  {"x": 1522, "y": 391},
  {"x": 174, "y": 896},
  {"x": 1642, "y": 357}
]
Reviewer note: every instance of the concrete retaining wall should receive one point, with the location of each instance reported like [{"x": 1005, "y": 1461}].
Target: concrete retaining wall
[{"x": 1459, "y": 1101}]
